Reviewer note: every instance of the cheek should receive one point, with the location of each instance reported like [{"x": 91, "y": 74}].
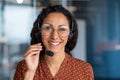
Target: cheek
[
  {"x": 65, "y": 40},
  {"x": 44, "y": 39}
]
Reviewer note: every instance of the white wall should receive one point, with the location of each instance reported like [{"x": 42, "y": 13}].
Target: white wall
[
  {"x": 18, "y": 23},
  {"x": 80, "y": 49}
]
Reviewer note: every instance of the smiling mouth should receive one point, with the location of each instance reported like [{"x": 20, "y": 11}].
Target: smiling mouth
[{"x": 54, "y": 43}]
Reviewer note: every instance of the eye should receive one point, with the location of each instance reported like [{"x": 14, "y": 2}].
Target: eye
[
  {"x": 62, "y": 29},
  {"x": 46, "y": 27}
]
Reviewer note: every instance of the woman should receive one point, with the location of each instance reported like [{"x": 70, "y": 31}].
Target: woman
[{"x": 53, "y": 36}]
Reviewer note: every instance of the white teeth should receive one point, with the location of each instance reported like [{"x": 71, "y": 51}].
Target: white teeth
[{"x": 55, "y": 43}]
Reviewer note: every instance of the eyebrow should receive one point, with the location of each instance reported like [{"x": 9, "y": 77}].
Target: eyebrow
[
  {"x": 47, "y": 24},
  {"x": 63, "y": 26}
]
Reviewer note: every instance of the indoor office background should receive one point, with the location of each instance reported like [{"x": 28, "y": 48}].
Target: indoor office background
[{"x": 98, "y": 40}]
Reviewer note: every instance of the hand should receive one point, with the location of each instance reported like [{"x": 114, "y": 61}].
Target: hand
[{"x": 32, "y": 57}]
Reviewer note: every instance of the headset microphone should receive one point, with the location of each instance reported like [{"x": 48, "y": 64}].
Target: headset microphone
[{"x": 49, "y": 53}]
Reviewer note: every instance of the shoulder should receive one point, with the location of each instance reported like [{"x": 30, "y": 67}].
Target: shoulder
[
  {"x": 78, "y": 63},
  {"x": 81, "y": 67},
  {"x": 20, "y": 70},
  {"x": 22, "y": 62},
  {"x": 81, "y": 62},
  {"x": 21, "y": 65}
]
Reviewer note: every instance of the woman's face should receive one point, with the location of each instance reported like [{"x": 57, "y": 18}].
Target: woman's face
[{"x": 55, "y": 31}]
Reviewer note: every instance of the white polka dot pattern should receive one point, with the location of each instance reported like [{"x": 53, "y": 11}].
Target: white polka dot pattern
[{"x": 71, "y": 69}]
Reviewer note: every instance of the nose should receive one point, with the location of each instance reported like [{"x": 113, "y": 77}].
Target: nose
[{"x": 55, "y": 34}]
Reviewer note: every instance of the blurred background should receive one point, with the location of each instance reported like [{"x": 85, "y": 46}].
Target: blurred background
[{"x": 98, "y": 40}]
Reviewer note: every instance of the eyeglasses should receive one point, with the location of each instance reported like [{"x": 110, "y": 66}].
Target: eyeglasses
[{"x": 47, "y": 29}]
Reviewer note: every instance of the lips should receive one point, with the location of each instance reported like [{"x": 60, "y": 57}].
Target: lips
[{"x": 54, "y": 43}]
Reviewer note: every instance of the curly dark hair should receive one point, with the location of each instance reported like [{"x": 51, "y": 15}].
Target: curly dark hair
[{"x": 36, "y": 35}]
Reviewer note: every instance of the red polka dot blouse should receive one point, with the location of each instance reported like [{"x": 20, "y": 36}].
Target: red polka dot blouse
[{"x": 70, "y": 69}]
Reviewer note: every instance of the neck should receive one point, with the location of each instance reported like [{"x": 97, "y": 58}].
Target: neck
[{"x": 55, "y": 60}]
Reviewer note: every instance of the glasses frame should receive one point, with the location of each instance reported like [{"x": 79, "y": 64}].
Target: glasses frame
[{"x": 40, "y": 29}]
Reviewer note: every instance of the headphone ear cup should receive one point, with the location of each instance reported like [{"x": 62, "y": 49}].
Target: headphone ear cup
[
  {"x": 71, "y": 31},
  {"x": 70, "y": 36}
]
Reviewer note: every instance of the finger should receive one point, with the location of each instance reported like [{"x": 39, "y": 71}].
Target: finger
[
  {"x": 32, "y": 48},
  {"x": 38, "y": 44},
  {"x": 32, "y": 53},
  {"x": 29, "y": 51},
  {"x": 35, "y": 45}
]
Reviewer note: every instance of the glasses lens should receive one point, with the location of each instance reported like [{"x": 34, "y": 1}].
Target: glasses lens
[
  {"x": 63, "y": 32},
  {"x": 48, "y": 30}
]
